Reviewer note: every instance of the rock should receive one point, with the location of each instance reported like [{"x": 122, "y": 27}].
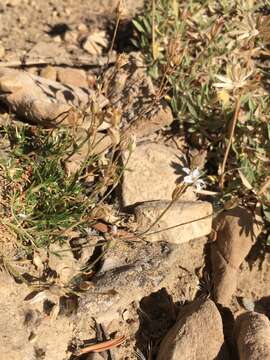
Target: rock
[
  {"x": 95, "y": 43},
  {"x": 36, "y": 99},
  {"x": 74, "y": 77},
  {"x": 236, "y": 233},
  {"x": 43, "y": 50},
  {"x": 252, "y": 334},
  {"x": 125, "y": 315},
  {"x": 139, "y": 269},
  {"x": 197, "y": 334},
  {"x": 153, "y": 173},
  {"x": 94, "y": 356},
  {"x": 82, "y": 28},
  {"x": 71, "y": 37},
  {"x": 49, "y": 72},
  {"x": 144, "y": 126},
  {"x": 130, "y": 89},
  {"x": 179, "y": 212}
]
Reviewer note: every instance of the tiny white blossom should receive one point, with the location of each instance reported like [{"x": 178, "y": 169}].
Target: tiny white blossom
[
  {"x": 193, "y": 178},
  {"x": 22, "y": 216}
]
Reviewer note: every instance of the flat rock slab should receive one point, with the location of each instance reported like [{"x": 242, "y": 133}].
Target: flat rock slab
[
  {"x": 195, "y": 217},
  {"x": 137, "y": 269},
  {"x": 153, "y": 171}
]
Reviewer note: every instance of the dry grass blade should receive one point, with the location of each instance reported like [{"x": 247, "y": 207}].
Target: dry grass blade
[
  {"x": 103, "y": 346},
  {"x": 265, "y": 186},
  {"x": 232, "y": 130}
]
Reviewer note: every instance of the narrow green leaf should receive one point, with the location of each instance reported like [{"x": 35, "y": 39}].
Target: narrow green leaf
[{"x": 138, "y": 26}]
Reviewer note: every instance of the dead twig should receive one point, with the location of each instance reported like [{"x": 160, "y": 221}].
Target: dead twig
[
  {"x": 100, "y": 347},
  {"x": 232, "y": 129},
  {"x": 264, "y": 187}
]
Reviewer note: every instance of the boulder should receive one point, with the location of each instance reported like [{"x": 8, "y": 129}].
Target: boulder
[
  {"x": 236, "y": 233},
  {"x": 252, "y": 334},
  {"x": 197, "y": 334},
  {"x": 153, "y": 171}
]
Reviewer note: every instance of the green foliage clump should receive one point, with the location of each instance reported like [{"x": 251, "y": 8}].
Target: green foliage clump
[
  {"x": 209, "y": 60},
  {"x": 44, "y": 202}
]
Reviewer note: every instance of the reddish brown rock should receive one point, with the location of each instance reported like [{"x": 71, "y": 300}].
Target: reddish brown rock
[{"x": 236, "y": 233}]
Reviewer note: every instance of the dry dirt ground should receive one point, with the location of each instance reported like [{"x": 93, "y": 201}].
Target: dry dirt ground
[{"x": 26, "y": 331}]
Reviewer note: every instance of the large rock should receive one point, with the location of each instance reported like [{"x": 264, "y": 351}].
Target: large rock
[
  {"x": 44, "y": 102},
  {"x": 236, "y": 233},
  {"x": 195, "y": 216},
  {"x": 252, "y": 333},
  {"x": 197, "y": 335},
  {"x": 135, "y": 269},
  {"x": 153, "y": 171}
]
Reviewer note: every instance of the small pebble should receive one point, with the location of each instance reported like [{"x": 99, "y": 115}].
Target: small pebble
[{"x": 82, "y": 28}]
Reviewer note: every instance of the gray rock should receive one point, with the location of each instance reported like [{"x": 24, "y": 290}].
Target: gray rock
[{"x": 140, "y": 269}]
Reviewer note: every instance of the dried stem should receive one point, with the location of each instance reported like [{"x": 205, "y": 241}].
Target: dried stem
[
  {"x": 232, "y": 130},
  {"x": 175, "y": 196},
  {"x": 153, "y": 29},
  {"x": 118, "y": 14},
  {"x": 264, "y": 187}
]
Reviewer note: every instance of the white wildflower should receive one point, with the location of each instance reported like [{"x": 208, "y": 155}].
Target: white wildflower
[
  {"x": 193, "y": 178},
  {"x": 237, "y": 76}
]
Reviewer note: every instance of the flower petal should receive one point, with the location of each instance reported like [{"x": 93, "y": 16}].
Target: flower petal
[
  {"x": 224, "y": 79},
  {"x": 186, "y": 170},
  {"x": 196, "y": 173},
  {"x": 188, "y": 179}
]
